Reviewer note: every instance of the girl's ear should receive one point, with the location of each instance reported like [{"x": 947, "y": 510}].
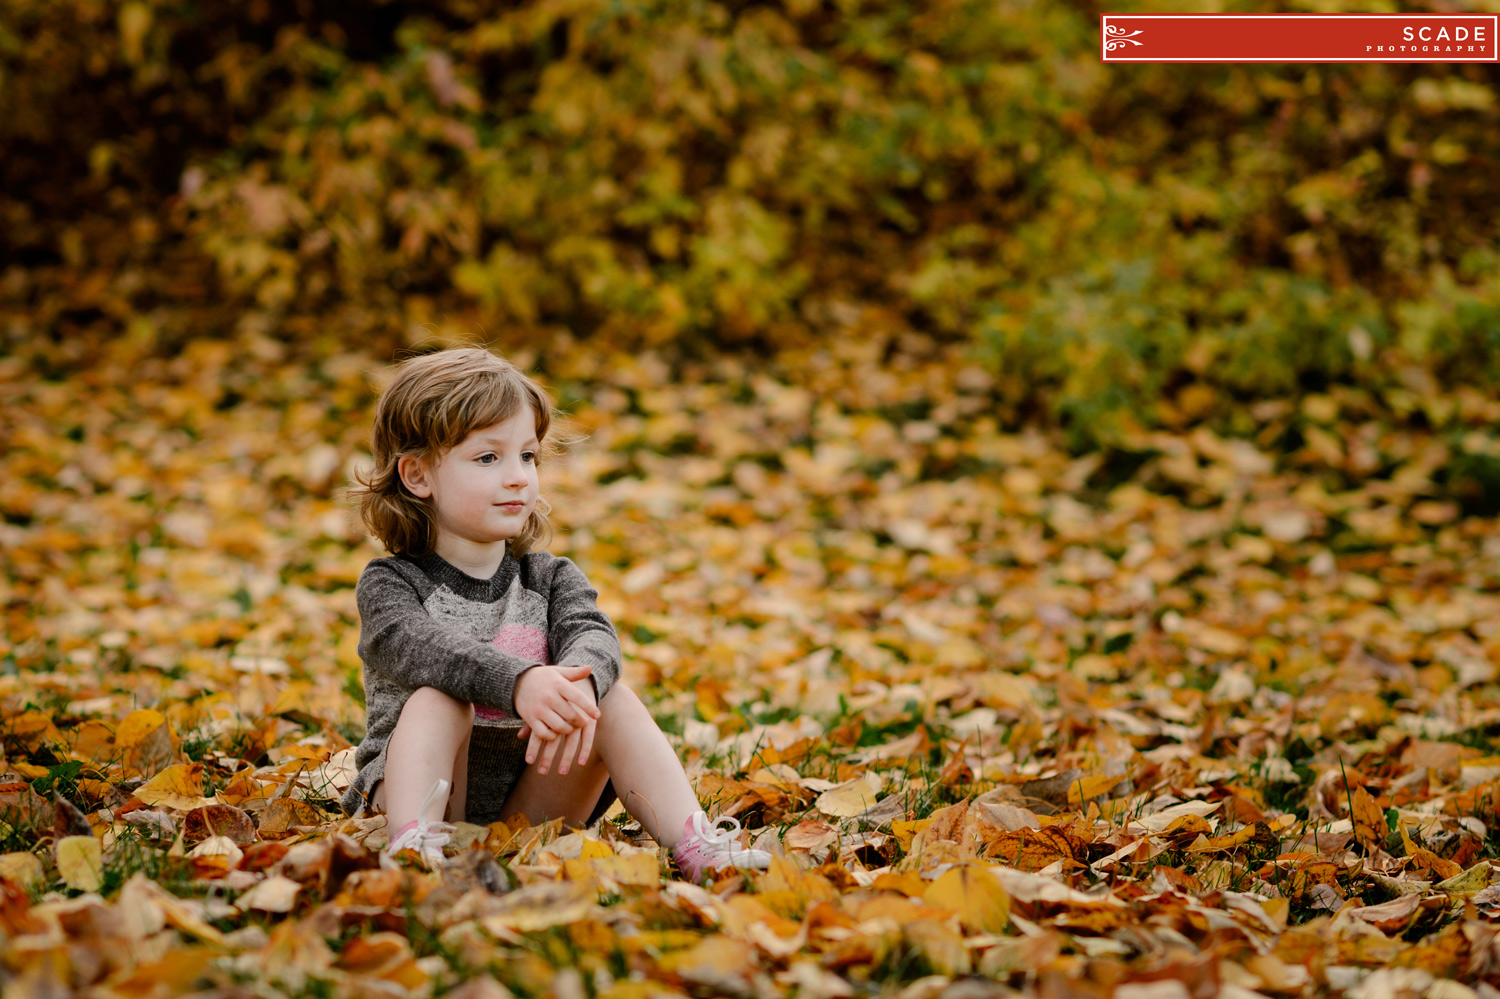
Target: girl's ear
[{"x": 414, "y": 475}]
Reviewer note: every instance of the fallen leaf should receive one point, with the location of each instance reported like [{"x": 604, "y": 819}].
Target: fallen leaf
[
  {"x": 541, "y": 905},
  {"x": 146, "y": 739},
  {"x": 1389, "y": 917},
  {"x": 1369, "y": 820},
  {"x": 214, "y": 819},
  {"x": 1089, "y": 788},
  {"x": 282, "y": 816},
  {"x": 179, "y": 787},
  {"x": 850, "y": 798},
  {"x": 274, "y": 894},
  {"x": 80, "y": 862},
  {"x": 975, "y": 894},
  {"x": 25, "y": 869}
]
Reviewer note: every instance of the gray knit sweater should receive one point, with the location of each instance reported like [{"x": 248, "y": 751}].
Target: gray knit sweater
[{"x": 426, "y": 623}]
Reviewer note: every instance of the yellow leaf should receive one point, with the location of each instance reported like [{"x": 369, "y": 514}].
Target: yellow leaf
[
  {"x": 1188, "y": 825},
  {"x": 904, "y": 830},
  {"x": 943, "y": 949},
  {"x": 716, "y": 964},
  {"x": 138, "y": 726},
  {"x": 94, "y": 740},
  {"x": 80, "y": 861},
  {"x": 179, "y": 786},
  {"x": 1084, "y": 788},
  {"x": 541, "y": 905},
  {"x": 146, "y": 739},
  {"x": 975, "y": 894},
  {"x": 908, "y": 883},
  {"x": 1475, "y": 879},
  {"x": 849, "y": 798},
  {"x": 173, "y": 974},
  {"x": 1236, "y": 839},
  {"x": 25, "y": 869},
  {"x": 30, "y": 729},
  {"x": 592, "y": 848},
  {"x": 805, "y": 886},
  {"x": 643, "y": 869}
]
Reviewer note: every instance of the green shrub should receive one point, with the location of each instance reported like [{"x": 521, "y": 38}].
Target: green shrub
[{"x": 737, "y": 175}]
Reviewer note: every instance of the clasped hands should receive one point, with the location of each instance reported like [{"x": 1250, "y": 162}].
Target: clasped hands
[{"x": 558, "y": 710}]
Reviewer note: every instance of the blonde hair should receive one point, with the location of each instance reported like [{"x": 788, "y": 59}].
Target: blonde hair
[{"x": 434, "y": 402}]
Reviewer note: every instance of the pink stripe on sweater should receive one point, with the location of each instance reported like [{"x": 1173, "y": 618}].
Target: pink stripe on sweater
[{"x": 518, "y": 640}]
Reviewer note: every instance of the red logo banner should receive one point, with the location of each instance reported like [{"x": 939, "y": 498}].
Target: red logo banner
[{"x": 1298, "y": 37}]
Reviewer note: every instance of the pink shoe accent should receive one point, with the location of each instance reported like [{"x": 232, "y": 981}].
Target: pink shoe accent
[
  {"x": 704, "y": 846},
  {"x": 427, "y": 837}
]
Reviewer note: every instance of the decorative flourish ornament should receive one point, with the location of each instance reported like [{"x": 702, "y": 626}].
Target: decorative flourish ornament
[{"x": 1118, "y": 42}]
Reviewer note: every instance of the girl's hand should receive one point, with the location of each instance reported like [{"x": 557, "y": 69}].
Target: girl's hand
[
  {"x": 561, "y": 749},
  {"x": 552, "y": 704}
]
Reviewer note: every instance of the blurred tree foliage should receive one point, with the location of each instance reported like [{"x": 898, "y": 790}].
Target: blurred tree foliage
[{"x": 1125, "y": 245}]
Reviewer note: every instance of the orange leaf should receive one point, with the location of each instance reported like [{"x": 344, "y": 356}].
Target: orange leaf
[{"x": 1369, "y": 820}]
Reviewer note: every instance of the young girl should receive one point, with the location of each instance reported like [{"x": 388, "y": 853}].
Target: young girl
[{"x": 483, "y": 654}]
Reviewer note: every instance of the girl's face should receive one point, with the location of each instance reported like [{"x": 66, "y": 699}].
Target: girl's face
[{"x": 484, "y": 489}]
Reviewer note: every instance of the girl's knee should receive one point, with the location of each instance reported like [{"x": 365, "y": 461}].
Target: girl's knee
[
  {"x": 621, "y": 697},
  {"x": 435, "y": 705}
]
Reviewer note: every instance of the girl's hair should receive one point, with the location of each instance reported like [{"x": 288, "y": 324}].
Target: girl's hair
[{"x": 433, "y": 403}]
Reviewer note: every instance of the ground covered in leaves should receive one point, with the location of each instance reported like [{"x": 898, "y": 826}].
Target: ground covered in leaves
[{"x": 1195, "y": 716}]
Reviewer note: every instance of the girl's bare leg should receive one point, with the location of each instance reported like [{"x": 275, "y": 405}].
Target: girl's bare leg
[
  {"x": 630, "y": 750},
  {"x": 431, "y": 741}
]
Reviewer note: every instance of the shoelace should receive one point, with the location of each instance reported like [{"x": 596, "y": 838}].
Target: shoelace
[
  {"x": 723, "y": 839},
  {"x": 430, "y": 836}
]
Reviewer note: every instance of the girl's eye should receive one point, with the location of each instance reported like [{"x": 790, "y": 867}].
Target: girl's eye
[
  {"x": 529, "y": 455},
  {"x": 484, "y": 456}
]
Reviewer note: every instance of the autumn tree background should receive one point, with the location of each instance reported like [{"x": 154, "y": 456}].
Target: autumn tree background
[{"x": 999, "y": 462}]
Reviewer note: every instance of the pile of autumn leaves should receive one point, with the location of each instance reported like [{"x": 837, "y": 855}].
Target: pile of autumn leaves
[
  {"x": 1166, "y": 742},
  {"x": 1174, "y": 880}
]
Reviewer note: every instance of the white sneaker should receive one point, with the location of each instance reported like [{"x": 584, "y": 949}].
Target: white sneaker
[
  {"x": 427, "y": 838},
  {"x": 704, "y": 845}
]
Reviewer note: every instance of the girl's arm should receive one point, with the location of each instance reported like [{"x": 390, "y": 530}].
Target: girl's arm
[
  {"x": 578, "y": 632},
  {"x": 399, "y": 640}
]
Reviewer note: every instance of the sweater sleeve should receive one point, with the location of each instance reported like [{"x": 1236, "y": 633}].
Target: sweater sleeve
[
  {"x": 580, "y": 633},
  {"x": 399, "y": 640}
]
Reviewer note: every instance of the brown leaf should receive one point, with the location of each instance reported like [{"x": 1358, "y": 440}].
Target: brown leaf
[
  {"x": 67, "y": 820},
  {"x": 1389, "y": 917},
  {"x": 281, "y": 817},
  {"x": 1048, "y": 795},
  {"x": 1030, "y": 849},
  {"x": 218, "y": 820}
]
